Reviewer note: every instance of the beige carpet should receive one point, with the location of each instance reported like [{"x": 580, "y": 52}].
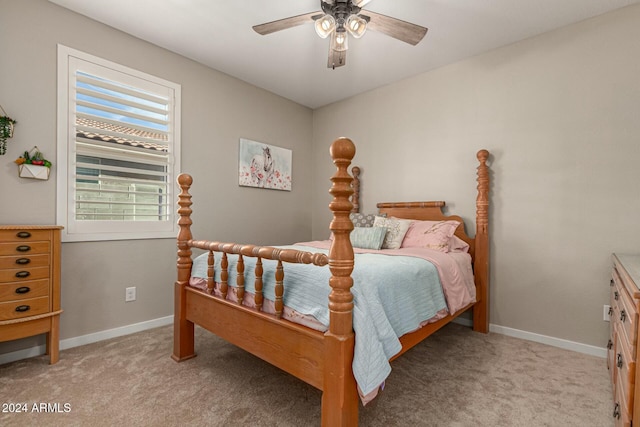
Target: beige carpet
[{"x": 454, "y": 378}]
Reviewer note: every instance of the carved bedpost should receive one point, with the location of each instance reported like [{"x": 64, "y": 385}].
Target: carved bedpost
[
  {"x": 183, "y": 338},
  {"x": 340, "y": 396},
  {"x": 481, "y": 264},
  {"x": 355, "y": 198}
]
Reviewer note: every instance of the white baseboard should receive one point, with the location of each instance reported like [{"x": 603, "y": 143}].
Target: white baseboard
[
  {"x": 543, "y": 339},
  {"x": 87, "y": 339},
  {"x": 163, "y": 321}
]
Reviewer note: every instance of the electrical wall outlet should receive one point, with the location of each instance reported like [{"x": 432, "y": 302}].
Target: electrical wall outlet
[
  {"x": 606, "y": 316},
  {"x": 130, "y": 294}
]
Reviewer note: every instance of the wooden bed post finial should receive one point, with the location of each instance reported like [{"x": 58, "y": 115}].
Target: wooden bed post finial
[
  {"x": 482, "y": 201},
  {"x": 340, "y": 395},
  {"x": 184, "y": 222},
  {"x": 341, "y": 252},
  {"x": 481, "y": 264},
  {"x": 183, "y": 330}
]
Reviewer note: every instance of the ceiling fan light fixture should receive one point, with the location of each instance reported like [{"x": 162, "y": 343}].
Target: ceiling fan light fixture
[
  {"x": 325, "y": 26},
  {"x": 339, "y": 41},
  {"x": 356, "y": 26},
  {"x": 343, "y": 18}
]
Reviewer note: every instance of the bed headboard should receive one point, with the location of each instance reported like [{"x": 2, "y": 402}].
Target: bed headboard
[
  {"x": 478, "y": 245},
  {"x": 432, "y": 211},
  {"x": 426, "y": 211}
]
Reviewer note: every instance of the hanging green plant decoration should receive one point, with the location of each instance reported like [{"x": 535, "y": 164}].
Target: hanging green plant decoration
[{"x": 6, "y": 132}]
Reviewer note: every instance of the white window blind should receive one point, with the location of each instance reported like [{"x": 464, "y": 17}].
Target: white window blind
[{"x": 119, "y": 136}]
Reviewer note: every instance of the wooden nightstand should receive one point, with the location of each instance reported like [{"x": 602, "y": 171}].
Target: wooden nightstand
[{"x": 30, "y": 284}]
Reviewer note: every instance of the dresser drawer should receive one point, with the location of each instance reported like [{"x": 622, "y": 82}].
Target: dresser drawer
[
  {"x": 24, "y": 248},
  {"x": 23, "y": 274},
  {"x": 627, "y": 316},
  {"x": 17, "y": 261},
  {"x": 626, "y": 367},
  {"x": 611, "y": 358},
  {"x": 614, "y": 311},
  {"x": 24, "y": 308},
  {"x": 621, "y": 414},
  {"x": 24, "y": 290},
  {"x": 616, "y": 290},
  {"x": 24, "y": 235}
]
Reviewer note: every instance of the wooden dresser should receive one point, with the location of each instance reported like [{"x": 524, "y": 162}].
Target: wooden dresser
[
  {"x": 30, "y": 284},
  {"x": 623, "y": 342}
]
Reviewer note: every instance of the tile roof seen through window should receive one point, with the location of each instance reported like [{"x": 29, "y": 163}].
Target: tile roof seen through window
[{"x": 127, "y": 136}]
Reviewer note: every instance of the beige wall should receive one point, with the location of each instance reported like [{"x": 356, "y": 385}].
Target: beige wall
[
  {"x": 216, "y": 111},
  {"x": 559, "y": 114}
]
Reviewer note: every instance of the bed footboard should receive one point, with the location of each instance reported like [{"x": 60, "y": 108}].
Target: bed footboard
[{"x": 322, "y": 360}]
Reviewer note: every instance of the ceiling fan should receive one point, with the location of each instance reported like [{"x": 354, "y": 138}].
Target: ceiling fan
[{"x": 339, "y": 18}]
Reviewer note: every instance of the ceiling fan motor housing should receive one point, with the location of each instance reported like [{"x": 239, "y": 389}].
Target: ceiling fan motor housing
[{"x": 340, "y": 10}]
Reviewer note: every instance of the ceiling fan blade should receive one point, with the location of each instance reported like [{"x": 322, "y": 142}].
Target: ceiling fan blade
[
  {"x": 283, "y": 24},
  {"x": 336, "y": 59},
  {"x": 396, "y": 28},
  {"x": 361, "y": 3}
]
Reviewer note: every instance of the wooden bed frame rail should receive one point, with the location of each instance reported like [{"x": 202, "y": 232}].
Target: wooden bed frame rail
[
  {"x": 291, "y": 256},
  {"x": 323, "y": 360}
]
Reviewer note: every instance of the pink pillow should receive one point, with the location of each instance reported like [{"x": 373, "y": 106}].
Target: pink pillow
[
  {"x": 430, "y": 234},
  {"x": 456, "y": 244}
]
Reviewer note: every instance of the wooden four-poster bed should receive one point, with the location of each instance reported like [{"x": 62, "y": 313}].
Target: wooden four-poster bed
[{"x": 323, "y": 358}]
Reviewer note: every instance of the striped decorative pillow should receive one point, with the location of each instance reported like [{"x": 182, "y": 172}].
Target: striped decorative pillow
[{"x": 367, "y": 237}]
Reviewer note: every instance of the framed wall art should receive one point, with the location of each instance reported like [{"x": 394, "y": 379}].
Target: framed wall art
[{"x": 264, "y": 165}]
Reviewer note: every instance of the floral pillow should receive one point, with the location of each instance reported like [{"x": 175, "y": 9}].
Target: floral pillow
[
  {"x": 396, "y": 230},
  {"x": 430, "y": 234}
]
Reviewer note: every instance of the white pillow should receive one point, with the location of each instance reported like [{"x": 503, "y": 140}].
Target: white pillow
[{"x": 396, "y": 229}]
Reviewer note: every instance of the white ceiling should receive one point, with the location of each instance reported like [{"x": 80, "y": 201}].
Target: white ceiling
[{"x": 292, "y": 62}]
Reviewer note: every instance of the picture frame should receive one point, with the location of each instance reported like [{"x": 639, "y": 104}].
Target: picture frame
[{"x": 264, "y": 165}]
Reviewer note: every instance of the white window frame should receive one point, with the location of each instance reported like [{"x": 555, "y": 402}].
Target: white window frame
[{"x": 75, "y": 230}]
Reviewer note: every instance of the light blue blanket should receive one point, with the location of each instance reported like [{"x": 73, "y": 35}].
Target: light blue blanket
[{"x": 392, "y": 296}]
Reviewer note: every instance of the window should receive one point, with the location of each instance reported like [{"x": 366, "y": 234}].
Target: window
[{"x": 118, "y": 150}]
